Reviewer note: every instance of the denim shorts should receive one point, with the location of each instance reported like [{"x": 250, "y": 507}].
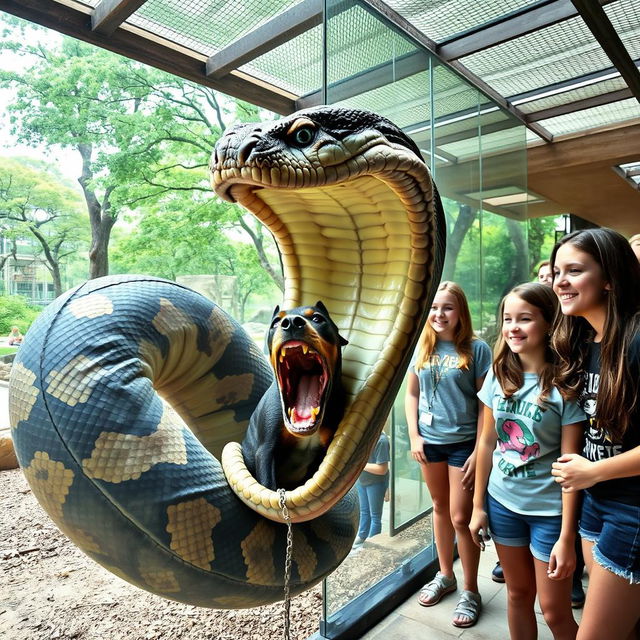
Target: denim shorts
[
  {"x": 455, "y": 455},
  {"x": 614, "y": 527},
  {"x": 513, "y": 529}
]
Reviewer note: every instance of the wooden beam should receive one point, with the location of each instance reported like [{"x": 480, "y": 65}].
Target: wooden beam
[
  {"x": 580, "y": 105},
  {"x": 155, "y": 51},
  {"x": 108, "y": 15},
  {"x": 277, "y": 31},
  {"x": 600, "y": 26},
  {"x": 507, "y": 28},
  {"x": 416, "y": 35}
]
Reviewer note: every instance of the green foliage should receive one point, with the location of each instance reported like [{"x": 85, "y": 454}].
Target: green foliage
[{"x": 14, "y": 310}]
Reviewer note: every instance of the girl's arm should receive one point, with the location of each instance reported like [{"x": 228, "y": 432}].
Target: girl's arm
[
  {"x": 377, "y": 468},
  {"x": 574, "y": 472},
  {"x": 484, "y": 451},
  {"x": 411, "y": 398},
  {"x": 469, "y": 467},
  {"x": 563, "y": 555}
]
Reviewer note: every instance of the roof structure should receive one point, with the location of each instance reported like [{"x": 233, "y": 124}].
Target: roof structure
[{"x": 568, "y": 70}]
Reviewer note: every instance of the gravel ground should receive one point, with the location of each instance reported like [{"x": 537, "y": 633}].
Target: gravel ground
[{"x": 50, "y": 590}]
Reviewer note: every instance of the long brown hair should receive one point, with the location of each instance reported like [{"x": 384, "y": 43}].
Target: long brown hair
[
  {"x": 618, "y": 392},
  {"x": 463, "y": 334},
  {"x": 507, "y": 366}
]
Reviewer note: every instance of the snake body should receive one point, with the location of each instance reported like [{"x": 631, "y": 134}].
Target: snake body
[{"x": 131, "y": 394}]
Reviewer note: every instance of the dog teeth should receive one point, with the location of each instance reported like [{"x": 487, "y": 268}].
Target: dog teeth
[
  {"x": 289, "y": 412},
  {"x": 315, "y": 411},
  {"x": 305, "y": 349}
]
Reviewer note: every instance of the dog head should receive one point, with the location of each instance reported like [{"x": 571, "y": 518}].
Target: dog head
[{"x": 305, "y": 351}]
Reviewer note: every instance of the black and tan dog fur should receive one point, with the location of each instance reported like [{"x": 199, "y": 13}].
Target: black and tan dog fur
[{"x": 293, "y": 424}]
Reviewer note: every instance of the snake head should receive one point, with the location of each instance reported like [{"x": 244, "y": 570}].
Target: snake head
[
  {"x": 359, "y": 225},
  {"x": 305, "y": 348}
]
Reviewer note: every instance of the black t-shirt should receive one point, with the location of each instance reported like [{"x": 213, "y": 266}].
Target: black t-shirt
[{"x": 598, "y": 445}]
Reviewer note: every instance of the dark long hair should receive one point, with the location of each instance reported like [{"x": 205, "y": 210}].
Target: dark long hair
[
  {"x": 507, "y": 366},
  {"x": 617, "y": 391}
]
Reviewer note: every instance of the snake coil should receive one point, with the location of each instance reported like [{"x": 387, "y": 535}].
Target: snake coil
[{"x": 130, "y": 393}]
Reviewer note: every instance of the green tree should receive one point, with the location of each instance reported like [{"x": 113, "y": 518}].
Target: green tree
[
  {"x": 143, "y": 136},
  {"x": 36, "y": 204}
]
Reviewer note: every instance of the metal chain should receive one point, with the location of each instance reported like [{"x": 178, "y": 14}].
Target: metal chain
[{"x": 287, "y": 563}]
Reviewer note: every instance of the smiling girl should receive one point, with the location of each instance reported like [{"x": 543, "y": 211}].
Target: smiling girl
[
  {"x": 442, "y": 417},
  {"x": 526, "y": 425},
  {"x": 597, "y": 280}
]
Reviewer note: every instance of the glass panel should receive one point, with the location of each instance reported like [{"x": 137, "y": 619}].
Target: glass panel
[
  {"x": 552, "y": 54},
  {"x": 441, "y": 20},
  {"x": 206, "y": 25},
  {"x": 477, "y": 155},
  {"x": 594, "y": 117}
]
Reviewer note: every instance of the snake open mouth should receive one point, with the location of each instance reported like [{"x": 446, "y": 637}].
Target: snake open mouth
[{"x": 302, "y": 379}]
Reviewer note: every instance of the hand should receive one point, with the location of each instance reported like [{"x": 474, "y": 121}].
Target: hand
[
  {"x": 573, "y": 472},
  {"x": 417, "y": 449},
  {"x": 562, "y": 562},
  {"x": 479, "y": 527},
  {"x": 469, "y": 472}
]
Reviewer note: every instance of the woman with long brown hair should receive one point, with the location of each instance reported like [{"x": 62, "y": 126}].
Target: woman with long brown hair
[
  {"x": 597, "y": 337},
  {"x": 442, "y": 417}
]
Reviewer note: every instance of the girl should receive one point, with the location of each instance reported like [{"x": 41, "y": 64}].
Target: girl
[
  {"x": 597, "y": 336},
  {"x": 442, "y": 418},
  {"x": 532, "y": 523}
]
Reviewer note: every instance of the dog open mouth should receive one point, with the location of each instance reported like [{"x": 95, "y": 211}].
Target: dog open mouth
[{"x": 303, "y": 379}]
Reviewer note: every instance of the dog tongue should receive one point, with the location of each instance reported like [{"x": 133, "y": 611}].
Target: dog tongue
[{"x": 308, "y": 396}]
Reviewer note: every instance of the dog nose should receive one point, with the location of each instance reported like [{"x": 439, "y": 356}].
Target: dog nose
[{"x": 295, "y": 322}]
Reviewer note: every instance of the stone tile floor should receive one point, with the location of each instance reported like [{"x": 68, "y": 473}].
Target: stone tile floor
[{"x": 411, "y": 621}]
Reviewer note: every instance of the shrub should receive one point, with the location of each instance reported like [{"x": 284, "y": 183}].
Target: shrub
[{"x": 14, "y": 310}]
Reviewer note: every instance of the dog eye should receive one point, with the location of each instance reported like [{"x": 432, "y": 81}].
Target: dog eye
[
  {"x": 317, "y": 318},
  {"x": 275, "y": 323}
]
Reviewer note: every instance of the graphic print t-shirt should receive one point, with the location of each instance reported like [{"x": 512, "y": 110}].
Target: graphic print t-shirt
[
  {"x": 528, "y": 443},
  {"x": 454, "y": 406},
  {"x": 598, "y": 445}
]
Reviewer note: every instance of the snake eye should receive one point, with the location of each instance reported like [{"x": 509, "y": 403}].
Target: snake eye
[{"x": 303, "y": 136}]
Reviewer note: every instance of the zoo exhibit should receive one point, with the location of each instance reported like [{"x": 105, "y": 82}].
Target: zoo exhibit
[{"x": 198, "y": 445}]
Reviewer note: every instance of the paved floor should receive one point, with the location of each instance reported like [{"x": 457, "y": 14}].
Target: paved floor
[{"x": 410, "y": 621}]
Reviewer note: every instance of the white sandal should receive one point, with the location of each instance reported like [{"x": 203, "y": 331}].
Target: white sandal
[
  {"x": 433, "y": 591},
  {"x": 469, "y": 606}
]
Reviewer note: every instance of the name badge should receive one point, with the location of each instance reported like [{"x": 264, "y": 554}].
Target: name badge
[{"x": 426, "y": 418}]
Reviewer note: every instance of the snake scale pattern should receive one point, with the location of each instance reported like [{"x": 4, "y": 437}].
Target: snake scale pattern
[{"x": 131, "y": 394}]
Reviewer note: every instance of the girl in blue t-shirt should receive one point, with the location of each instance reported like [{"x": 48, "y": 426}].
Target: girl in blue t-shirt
[
  {"x": 526, "y": 426},
  {"x": 597, "y": 337},
  {"x": 442, "y": 418}
]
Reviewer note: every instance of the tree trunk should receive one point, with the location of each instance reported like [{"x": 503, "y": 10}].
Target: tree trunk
[
  {"x": 99, "y": 215},
  {"x": 520, "y": 267},
  {"x": 466, "y": 216}
]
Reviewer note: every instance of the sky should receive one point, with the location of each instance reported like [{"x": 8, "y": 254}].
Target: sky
[{"x": 68, "y": 162}]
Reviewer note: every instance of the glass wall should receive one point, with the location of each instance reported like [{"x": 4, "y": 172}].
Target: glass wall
[{"x": 477, "y": 154}]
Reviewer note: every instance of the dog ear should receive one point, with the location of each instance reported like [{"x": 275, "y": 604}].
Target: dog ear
[
  {"x": 322, "y": 308},
  {"x": 343, "y": 341},
  {"x": 275, "y": 311}
]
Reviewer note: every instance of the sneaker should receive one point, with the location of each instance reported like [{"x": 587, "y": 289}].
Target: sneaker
[
  {"x": 433, "y": 591},
  {"x": 497, "y": 575},
  {"x": 358, "y": 542}
]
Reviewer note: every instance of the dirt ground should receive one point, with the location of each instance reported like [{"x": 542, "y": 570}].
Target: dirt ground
[{"x": 50, "y": 590}]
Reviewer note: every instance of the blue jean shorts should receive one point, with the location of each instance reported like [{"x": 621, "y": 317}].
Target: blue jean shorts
[
  {"x": 455, "y": 455},
  {"x": 614, "y": 527},
  {"x": 513, "y": 529}
]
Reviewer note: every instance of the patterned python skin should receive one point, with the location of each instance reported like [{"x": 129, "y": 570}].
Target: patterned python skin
[{"x": 128, "y": 390}]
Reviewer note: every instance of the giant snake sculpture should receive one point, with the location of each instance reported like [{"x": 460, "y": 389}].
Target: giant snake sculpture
[{"x": 131, "y": 394}]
